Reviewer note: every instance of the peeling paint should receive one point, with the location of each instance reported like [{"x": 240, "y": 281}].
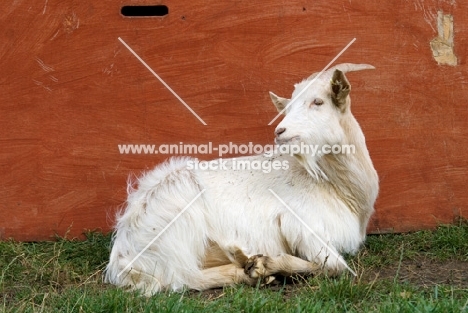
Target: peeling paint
[
  {"x": 110, "y": 70},
  {"x": 44, "y": 66},
  {"x": 45, "y": 7},
  {"x": 442, "y": 45},
  {"x": 39, "y": 83},
  {"x": 71, "y": 23}
]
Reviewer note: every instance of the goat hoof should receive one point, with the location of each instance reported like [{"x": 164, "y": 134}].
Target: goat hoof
[
  {"x": 268, "y": 280},
  {"x": 256, "y": 266},
  {"x": 250, "y": 263}
]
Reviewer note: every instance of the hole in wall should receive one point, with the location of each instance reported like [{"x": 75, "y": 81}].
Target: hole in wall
[{"x": 144, "y": 10}]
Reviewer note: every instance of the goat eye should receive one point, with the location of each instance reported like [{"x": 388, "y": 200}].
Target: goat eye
[{"x": 317, "y": 101}]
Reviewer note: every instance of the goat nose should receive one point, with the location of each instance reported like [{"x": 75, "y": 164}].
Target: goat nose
[{"x": 279, "y": 131}]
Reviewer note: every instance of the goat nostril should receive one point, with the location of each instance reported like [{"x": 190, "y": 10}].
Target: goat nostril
[{"x": 279, "y": 131}]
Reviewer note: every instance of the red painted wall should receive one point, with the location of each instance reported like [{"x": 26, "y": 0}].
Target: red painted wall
[{"x": 71, "y": 92}]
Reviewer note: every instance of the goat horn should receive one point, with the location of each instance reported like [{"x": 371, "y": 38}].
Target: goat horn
[
  {"x": 345, "y": 68},
  {"x": 350, "y": 67}
]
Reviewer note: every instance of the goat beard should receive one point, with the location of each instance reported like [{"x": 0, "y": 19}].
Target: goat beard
[{"x": 311, "y": 165}]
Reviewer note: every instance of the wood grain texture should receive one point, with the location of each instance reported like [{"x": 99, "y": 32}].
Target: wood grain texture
[{"x": 71, "y": 92}]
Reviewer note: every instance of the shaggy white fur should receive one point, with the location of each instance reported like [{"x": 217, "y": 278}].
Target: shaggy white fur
[{"x": 216, "y": 241}]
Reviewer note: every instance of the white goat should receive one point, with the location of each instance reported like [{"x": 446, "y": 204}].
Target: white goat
[{"x": 237, "y": 230}]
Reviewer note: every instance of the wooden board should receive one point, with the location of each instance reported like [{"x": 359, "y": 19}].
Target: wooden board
[{"x": 72, "y": 92}]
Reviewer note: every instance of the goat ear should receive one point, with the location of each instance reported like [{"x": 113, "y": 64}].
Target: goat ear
[
  {"x": 340, "y": 88},
  {"x": 279, "y": 102}
]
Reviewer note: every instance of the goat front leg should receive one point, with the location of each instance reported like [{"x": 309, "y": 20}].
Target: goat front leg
[
  {"x": 221, "y": 276},
  {"x": 260, "y": 266},
  {"x": 216, "y": 276}
]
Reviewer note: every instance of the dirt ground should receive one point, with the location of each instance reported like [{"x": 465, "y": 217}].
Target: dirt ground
[{"x": 424, "y": 272}]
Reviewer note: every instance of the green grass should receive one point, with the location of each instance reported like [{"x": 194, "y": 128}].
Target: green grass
[
  {"x": 448, "y": 242},
  {"x": 66, "y": 276}
]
